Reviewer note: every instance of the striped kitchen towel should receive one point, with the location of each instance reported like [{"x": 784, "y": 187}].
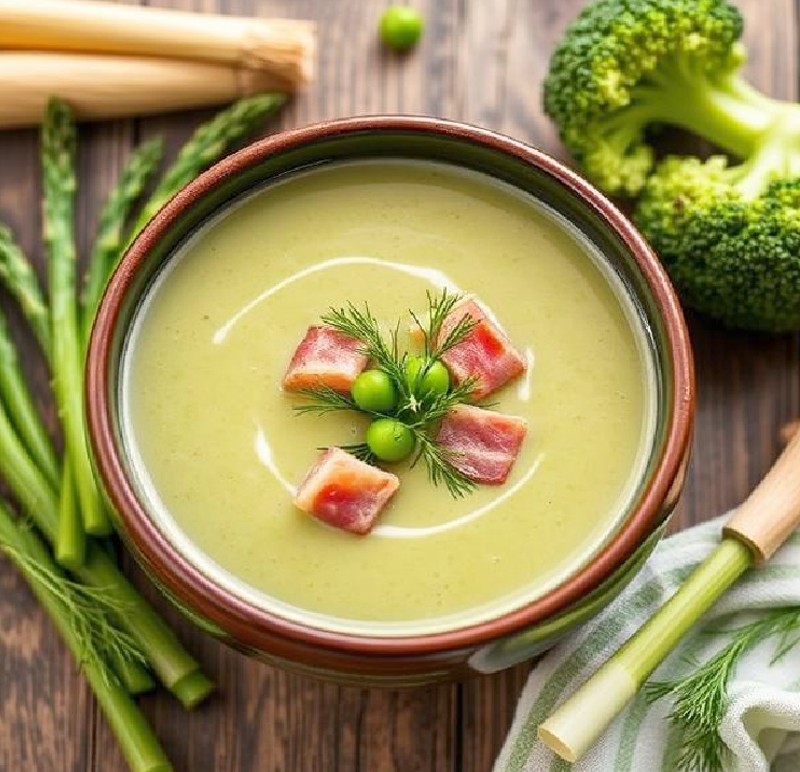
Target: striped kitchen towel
[{"x": 761, "y": 728}]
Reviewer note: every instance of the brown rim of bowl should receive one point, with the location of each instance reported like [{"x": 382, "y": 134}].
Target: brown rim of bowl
[{"x": 251, "y": 624}]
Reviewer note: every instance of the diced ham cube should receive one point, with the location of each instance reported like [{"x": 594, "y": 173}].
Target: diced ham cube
[
  {"x": 485, "y": 354},
  {"x": 482, "y": 444},
  {"x": 325, "y": 357},
  {"x": 345, "y": 492}
]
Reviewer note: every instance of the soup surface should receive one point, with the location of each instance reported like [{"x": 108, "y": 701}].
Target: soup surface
[{"x": 217, "y": 448}]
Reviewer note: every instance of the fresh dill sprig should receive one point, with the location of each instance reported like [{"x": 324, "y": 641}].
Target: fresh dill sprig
[
  {"x": 323, "y": 399},
  {"x": 90, "y": 610},
  {"x": 364, "y": 327},
  {"x": 361, "y": 451},
  {"x": 439, "y": 308},
  {"x": 440, "y": 468},
  {"x": 701, "y": 698},
  {"x": 433, "y": 407}
]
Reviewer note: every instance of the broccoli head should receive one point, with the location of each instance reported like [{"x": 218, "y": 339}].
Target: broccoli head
[
  {"x": 625, "y": 65},
  {"x": 729, "y": 237},
  {"x": 729, "y": 234}
]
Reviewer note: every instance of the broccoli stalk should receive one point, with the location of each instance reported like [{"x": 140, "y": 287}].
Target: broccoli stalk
[
  {"x": 729, "y": 235},
  {"x": 727, "y": 111}
]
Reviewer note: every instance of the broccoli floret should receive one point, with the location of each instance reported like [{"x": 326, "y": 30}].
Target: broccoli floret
[
  {"x": 729, "y": 237},
  {"x": 624, "y": 65}
]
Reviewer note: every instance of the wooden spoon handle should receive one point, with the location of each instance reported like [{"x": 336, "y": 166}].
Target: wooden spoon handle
[
  {"x": 772, "y": 511},
  {"x": 788, "y": 431}
]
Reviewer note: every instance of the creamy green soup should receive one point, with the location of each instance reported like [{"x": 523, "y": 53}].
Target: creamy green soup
[{"x": 217, "y": 448}]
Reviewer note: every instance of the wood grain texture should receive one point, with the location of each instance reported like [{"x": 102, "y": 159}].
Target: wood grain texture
[{"x": 479, "y": 61}]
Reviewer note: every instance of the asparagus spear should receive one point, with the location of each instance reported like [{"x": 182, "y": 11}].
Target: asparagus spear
[
  {"x": 177, "y": 670},
  {"x": 20, "y": 280},
  {"x": 205, "y": 146},
  {"x": 70, "y": 546},
  {"x": 108, "y": 242},
  {"x": 27, "y": 421},
  {"x": 58, "y": 166},
  {"x": 57, "y": 595},
  {"x": 134, "y": 676}
]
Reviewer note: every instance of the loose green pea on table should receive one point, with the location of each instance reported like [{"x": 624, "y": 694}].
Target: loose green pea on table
[{"x": 401, "y": 27}]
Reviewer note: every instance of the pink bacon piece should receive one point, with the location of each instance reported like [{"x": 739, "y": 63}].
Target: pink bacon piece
[
  {"x": 481, "y": 444},
  {"x": 325, "y": 357},
  {"x": 485, "y": 354},
  {"x": 344, "y": 492}
]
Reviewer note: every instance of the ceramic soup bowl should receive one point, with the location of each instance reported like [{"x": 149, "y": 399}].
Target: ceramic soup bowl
[{"x": 173, "y": 404}]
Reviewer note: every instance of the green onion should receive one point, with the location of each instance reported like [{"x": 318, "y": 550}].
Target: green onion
[{"x": 572, "y": 729}]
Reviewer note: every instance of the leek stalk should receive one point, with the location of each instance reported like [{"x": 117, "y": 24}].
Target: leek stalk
[{"x": 573, "y": 728}]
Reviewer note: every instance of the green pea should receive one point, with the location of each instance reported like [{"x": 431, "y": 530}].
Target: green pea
[
  {"x": 436, "y": 379},
  {"x": 374, "y": 390},
  {"x": 390, "y": 440},
  {"x": 401, "y": 27}
]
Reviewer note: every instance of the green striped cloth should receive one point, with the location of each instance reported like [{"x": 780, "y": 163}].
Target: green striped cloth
[{"x": 762, "y": 723}]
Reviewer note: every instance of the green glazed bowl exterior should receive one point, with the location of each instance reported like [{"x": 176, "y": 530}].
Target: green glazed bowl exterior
[{"x": 398, "y": 660}]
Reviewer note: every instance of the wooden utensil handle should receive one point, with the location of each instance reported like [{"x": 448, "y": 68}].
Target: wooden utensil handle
[
  {"x": 772, "y": 511},
  {"x": 788, "y": 431}
]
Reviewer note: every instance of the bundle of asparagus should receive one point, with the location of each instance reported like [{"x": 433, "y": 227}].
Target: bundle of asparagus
[
  {"x": 115, "y": 635},
  {"x": 110, "y": 60}
]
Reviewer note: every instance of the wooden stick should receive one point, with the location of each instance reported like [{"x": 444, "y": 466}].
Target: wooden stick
[
  {"x": 772, "y": 511},
  {"x": 788, "y": 431},
  {"x": 99, "y": 87},
  {"x": 283, "y": 47}
]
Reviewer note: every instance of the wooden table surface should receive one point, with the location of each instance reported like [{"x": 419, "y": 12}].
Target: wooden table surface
[{"x": 480, "y": 61}]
